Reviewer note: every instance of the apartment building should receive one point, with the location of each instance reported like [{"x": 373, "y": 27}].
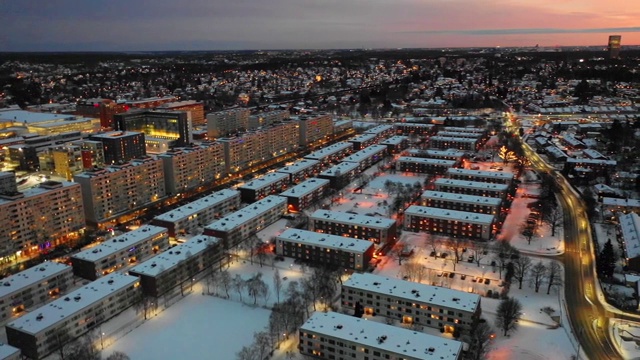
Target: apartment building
[
  {"x": 368, "y": 156},
  {"x": 267, "y": 118},
  {"x": 449, "y": 154},
  {"x": 615, "y": 205},
  {"x": 189, "y": 218},
  {"x": 331, "y": 335},
  {"x": 223, "y": 123},
  {"x": 236, "y": 227},
  {"x": 40, "y": 332},
  {"x": 305, "y": 194},
  {"x": 363, "y": 140},
  {"x": 194, "y": 109},
  {"x": 8, "y": 352},
  {"x": 460, "y": 224},
  {"x": 412, "y": 128},
  {"x": 496, "y": 177},
  {"x": 381, "y": 131},
  {"x": 446, "y": 142},
  {"x": 342, "y": 126},
  {"x": 597, "y": 166},
  {"x": 172, "y": 271},
  {"x": 464, "y": 129},
  {"x": 33, "y": 287},
  {"x": 375, "y": 229},
  {"x": 8, "y": 182},
  {"x": 424, "y": 165},
  {"x": 395, "y": 144},
  {"x": 341, "y": 175},
  {"x": 119, "y": 189},
  {"x": 121, "y": 146},
  {"x": 456, "y": 134},
  {"x": 330, "y": 250},
  {"x": 38, "y": 218},
  {"x": 265, "y": 185},
  {"x": 461, "y": 202},
  {"x": 191, "y": 167},
  {"x": 314, "y": 129},
  {"x": 120, "y": 251},
  {"x": 471, "y": 187},
  {"x": 332, "y": 153},
  {"x": 301, "y": 170},
  {"x": 411, "y": 302}
]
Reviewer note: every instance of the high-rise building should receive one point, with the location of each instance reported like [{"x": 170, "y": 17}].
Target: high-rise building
[
  {"x": 314, "y": 129},
  {"x": 8, "y": 182},
  {"x": 223, "y": 123},
  {"x": 195, "y": 109},
  {"x": 118, "y": 147},
  {"x": 171, "y": 128},
  {"x": 190, "y": 167},
  {"x": 614, "y": 46},
  {"x": 102, "y": 108}
]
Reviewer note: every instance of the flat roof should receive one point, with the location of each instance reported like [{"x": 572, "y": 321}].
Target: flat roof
[
  {"x": 115, "y": 134},
  {"x": 305, "y": 187},
  {"x": 471, "y": 184},
  {"x": 7, "y": 351},
  {"x": 592, "y": 161},
  {"x": 329, "y": 150},
  {"x": 413, "y": 291},
  {"x": 394, "y": 140},
  {"x": 429, "y": 161},
  {"x": 610, "y": 201},
  {"x": 463, "y": 198},
  {"x": 29, "y": 117},
  {"x": 40, "y": 189},
  {"x": 471, "y": 135},
  {"x": 363, "y": 137},
  {"x": 24, "y": 279},
  {"x": 355, "y": 219},
  {"x": 630, "y": 228},
  {"x": 195, "y": 207},
  {"x": 167, "y": 260},
  {"x": 463, "y": 129},
  {"x": 264, "y": 180},
  {"x": 446, "y": 214},
  {"x": 438, "y": 153},
  {"x": 326, "y": 240},
  {"x": 365, "y": 153},
  {"x": 62, "y": 308},
  {"x": 120, "y": 242},
  {"x": 342, "y": 168},
  {"x": 248, "y": 213},
  {"x": 379, "y": 129},
  {"x": 297, "y": 166},
  {"x": 387, "y": 338},
  {"x": 454, "y": 139},
  {"x": 504, "y": 175}
]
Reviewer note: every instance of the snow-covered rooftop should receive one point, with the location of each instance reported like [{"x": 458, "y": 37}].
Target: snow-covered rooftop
[
  {"x": 363, "y": 137},
  {"x": 29, "y": 117},
  {"x": 120, "y": 242},
  {"x": 326, "y": 240},
  {"x": 355, "y": 219},
  {"x": 453, "y": 139},
  {"x": 329, "y": 150},
  {"x": 455, "y": 215},
  {"x": 503, "y": 175},
  {"x": 630, "y": 228},
  {"x": 31, "y": 276},
  {"x": 379, "y": 129},
  {"x": 60, "y": 309},
  {"x": 394, "y": 140},
  {"x": 471, "y": 184},
  {"x": 437, "y": 153},
  {"x": 461, "y": 129},
  {"x": 42, "y": 188},
  {"x": 462, "y": 198},
  {"x": 298, "y": 166},
  {"x": 170, "y": 258},
  {"x": 265, "y": 180},
  {"x": 248, "y": 213},
  {"x": 365, "y": 153},
  {"x": 195, "y": 207},
  {"x": 428, "y": 161},
  {"x": 342, "y": 168},
  {"x": 375, "y": 335},
  {"x": 592, "y": 161},
  {"x": 455, "y": 134},
  {"x": 305, "y": 187},
  {"x": 7, "y": 351}
]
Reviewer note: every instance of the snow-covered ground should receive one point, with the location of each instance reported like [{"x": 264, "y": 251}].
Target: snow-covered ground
[{"x": 627, "y": 338}]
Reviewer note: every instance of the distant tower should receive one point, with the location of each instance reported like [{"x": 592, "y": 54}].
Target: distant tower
[{"x": 614, "y": 46}]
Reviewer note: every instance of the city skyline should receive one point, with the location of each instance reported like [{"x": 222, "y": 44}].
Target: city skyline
[{"x": 72, "y": 25}]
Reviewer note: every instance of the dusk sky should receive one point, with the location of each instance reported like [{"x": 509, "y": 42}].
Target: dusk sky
[{"x": 135, "y": 25}]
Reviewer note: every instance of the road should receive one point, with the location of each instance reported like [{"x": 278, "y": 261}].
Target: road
[{"x": 589, "y": 318}]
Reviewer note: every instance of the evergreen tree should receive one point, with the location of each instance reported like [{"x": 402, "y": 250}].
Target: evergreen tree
[{"x": 607, "y": 259}]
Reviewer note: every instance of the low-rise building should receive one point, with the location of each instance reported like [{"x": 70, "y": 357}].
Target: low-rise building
[
  {"x": 626, "y": 205},
  {"x": 447, "y": 142},
  {"x": 396, "y": 144},
  {"x": 325, "y": 249},
  {"x": 332, "y": 153},
  {"x": 301, "y": 170},
  {"x": 413, "y": 128},
  {"x": 305, "y": 194},
  {"x": 423, "y": 165},
  {"x": 172, "y": 271},
  {"x": 368, "y": 156},
  {"x": 461, "y": 224},
  {"x": 8, "y": 352},
  {"x": 33, "y": 287},
  {"x": 120, "y": 251},
  {"x": 187, "y": 219},
  {"x": 461, "y": 202},
  {"x": 381, "y": 131},
  {"x": 363, "y": 140},
  {"x": 341, "y": 175},
  {"x": 497, "y": 177},
  {"x": 268, "y": 184},
  {"x": 449, "y": 154},
  {"x": 42, "y": 331},
  {"x": 630, "y": 236},
  {"x": 471, "y": 187},
  {"x": 331, "y": 335},
  {"x": 378, "y": 230}
]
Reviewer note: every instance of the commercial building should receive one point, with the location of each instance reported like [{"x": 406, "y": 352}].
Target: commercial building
[
  {"x": 368, "y": 156},
  {"x": 301, "y": 170},
  {"x": 395, "y": 144},
  {"x": 471, "y": 187},
  {"x": 118, "y": 147},
  {"x": 43, "y": 123},
  {"x": 150, "y": 102},
  {"x": 194, "y": 109},
  {"x": 33, "y": 287},
  {"x": 305, "y": 194},
  {"x": 412, "y": 302},
  {"x": 265, "y": 185},
  {"x": 238, "y": 226},
  {"x": 378, "y": 230},
  {"x": 495, "y": 177},
  {"x": 187, "y": 219},
  {"x": 341, "y": 175},
  {"x": 194, "y": 166},
  {"x": 101, "y": 108},
  {"x": 423, "y": 165},
  {"x": 461, "y": 202},
  {"x": 162, "y": 129},
  {"x": 41, "y": 217},
  {"x": 614, "y": 46},
  {"x": 459, "y": 224},
  {"x": 120, "y": 189},
  {"x": 333, "y": 335},
  {"x": 175, "y": 269},
  {"x": 328, "y": 250},
  {"x": 445, "y": 142},
  {"x": 226, "y": 122},
  {"x": 40, "y": 332},
  {"x": 120, "y": 251},
  {"x": 332, "y": 153}
]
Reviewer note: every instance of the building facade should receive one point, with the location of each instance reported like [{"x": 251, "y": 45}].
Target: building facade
[
  {"x": 305, "y": 194},
  {"x": 268, "y": 184},
  {"x": 191, "y": 167},
  {"x": 461, "y": 202},
  {"x": 423, "y": 165},
  {"x": 223, "y": 123},
  {"x": 378, "y": 230},
  {"x": 301, "y": 170},
  {"x": 471, "y": 187},
  {"x": 118, "y": 147},
  {"x": 459, "y": 224}
]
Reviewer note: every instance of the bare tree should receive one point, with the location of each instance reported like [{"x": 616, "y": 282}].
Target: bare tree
[
  {"x": 118, "y": 355},
  {"x": 277, "y": 284},
  {"x": 211, "y": 279},
  {"x": 479, "y": 340},
  {"x": 521, "y": 267},
  {"x": 247, "y": 353},
  {"x": 238, "y": 285},
  {"x": 538, "y": 272},
  {"x": 528, "y": 231},
  {"x": 554, "y": 218},
  {"x": 146, "y": 305},
  {"x": 554, "y": 276},
  {"x": 83, "y": 348},
  {"x": 252, "y": 244},
  {"x": 432, "y": 242},
  {"x": 456, "y": 245},
  {"x": 480, "y": 250},
  {"x": 256, "y": 287},
  {"x": 503, "y": 251},
  {"x": 262, "y": 343},
  {"x": 225, "y": 281},
  {"x": 414, "y": 271},
  {"x": 508, "y": 313}
]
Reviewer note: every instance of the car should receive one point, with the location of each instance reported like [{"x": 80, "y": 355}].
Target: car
[
  {"x": 487, "y": 281},
  {"x": 432, "y": 254},
  {"x": 452, "y": 275},
  {"x": 463, "y": 276},
  {"x": 444, "y": 255}
]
